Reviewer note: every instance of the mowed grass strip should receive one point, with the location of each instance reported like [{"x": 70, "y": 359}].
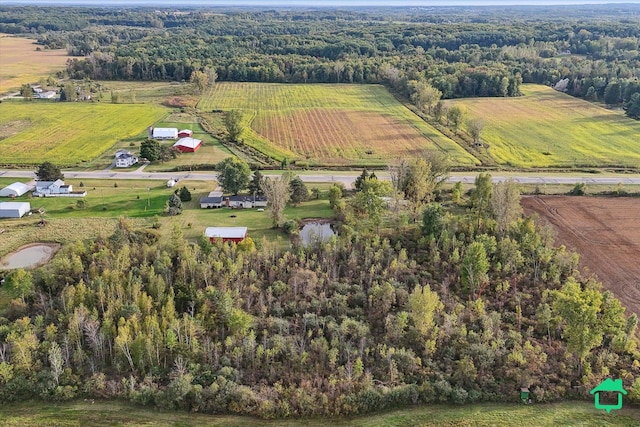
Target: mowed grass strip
[
  {"x": 330, "y": 123},
  {"x": 548, "y": 128},
  {"x": 21, "y": 63},
  {"x": 70, "y": 133},
  {"x": 97, "y": 413}
]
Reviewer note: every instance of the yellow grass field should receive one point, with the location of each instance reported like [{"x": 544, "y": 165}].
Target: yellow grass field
[
  {"x": 20, "y": 63},
  {"x": 548, "y": 128},
  {"x": 68, "y": 133},
  {"x": 330, "y": 124}
]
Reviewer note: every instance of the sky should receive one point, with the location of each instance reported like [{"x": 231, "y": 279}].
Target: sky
[{"x": 316, "y": 3}]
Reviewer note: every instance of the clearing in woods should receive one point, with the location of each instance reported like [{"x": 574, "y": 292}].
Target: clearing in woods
[
  {"x": 330, "y": 124},
  {"x": 605, "y": 232},
  {"x": 22, "y": 63},
  {"x": 68, "y": 133},
  {"x": 548, "y": 128}
]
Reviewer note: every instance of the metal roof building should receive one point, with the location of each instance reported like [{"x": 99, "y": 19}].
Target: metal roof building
[
  {"x": 16, "y": 189},
  {"x": 14, "y": 209}
]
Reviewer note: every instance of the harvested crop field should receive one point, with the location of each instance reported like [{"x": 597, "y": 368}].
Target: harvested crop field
[
  {"x": 548, "y": 128},
  {"x": 331, "y": 124},
  {"x": 22, "y": 63},
  {"x": 605, "y": 231},
  {"x": 68, "y": 133}
]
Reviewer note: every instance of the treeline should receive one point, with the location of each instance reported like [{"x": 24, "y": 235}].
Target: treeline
[
  {"x": 462, "y": 55},
  {"x": 470, "y": 306}
]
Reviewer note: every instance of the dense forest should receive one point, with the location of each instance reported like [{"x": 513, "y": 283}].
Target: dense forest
[
  {"x": 590, "y": 52},
  {"x": 471, "y": 305}
]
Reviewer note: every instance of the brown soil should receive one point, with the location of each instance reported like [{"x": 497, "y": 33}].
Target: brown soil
[
  {"x": 327, "y": 134},
  {"x": 605, "y": 231}
]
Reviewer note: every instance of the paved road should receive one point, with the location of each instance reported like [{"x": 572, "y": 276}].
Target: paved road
[{"x": 343, "y": 177}]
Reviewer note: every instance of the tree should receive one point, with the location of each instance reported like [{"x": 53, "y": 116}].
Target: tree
[
  {"x": 455, "y": 117},
  {"x": 632, "y": 106},
  {"x": 424, "y": 96},
  {"x": 68, "y": 93},
  {"x": 184, "y": 194},
  {"x": 424, "y": 304},
  {"x": 612, "y": 93},
  {"x": 234, "y": 174},
  {"x": 174, "y": 205},
  {"x": 335, "y": 194},
  {"x": 49, "y": 172},
  {"x": 505, "y": 205},
  {"x": 255, "y": 186},
  {"x": 433, "y": 220},
  {"x": 26, "y": 91},
  {"x": 19, "y": 283},
  {"x": 233, "y": 123},
  {"x": 422, "y": 176},
  {"x": 357, "y": 184},
  {"x": 55, "y": 359},
  {"x": 474, "y": 127},
  {"x": 475, "y": 266},
  {"x": 299, "y": 191},
  {"x": 277, "y": 192},
  {"x": 211, "y": 74},
  {"x": 579, "y": 310},
  {"x": 150, "y": 150},
  {"x": 200, "y": 81},
  {"x": 481, "y": 196},
  {"x": 168, "y": 153},
  {"x": 440, "y": 110}
]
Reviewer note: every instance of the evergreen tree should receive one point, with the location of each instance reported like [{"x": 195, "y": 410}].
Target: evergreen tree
[
  {"x": 359, "y": 180},
  {"x": 49, "y": 172},
  {"x": 298, "y": 190},
  {"x": 255, "y": 186},
  {"x": 150, "y": 150},
  {"x": 184, "y": 194},
  {"x": 174, "y": 205}
]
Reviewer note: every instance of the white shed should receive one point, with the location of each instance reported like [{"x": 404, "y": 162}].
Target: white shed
[
  {"x": 164, "y": 133},
  {"x": 16, "y": 189},
  {"x": 171, "y": 183},
  {"x": 14, "y": 209}
]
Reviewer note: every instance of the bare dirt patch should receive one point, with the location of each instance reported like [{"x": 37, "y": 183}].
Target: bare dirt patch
[
  {"x": 605, "y": 231},
  {"x": 332, "y": 134},
  {"x": 13, "y": 127}
]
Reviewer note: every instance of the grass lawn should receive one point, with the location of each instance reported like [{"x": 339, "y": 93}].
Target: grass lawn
[
  {"x": 131, "y": 199},
  {"x": 549, "y": 128},
  {"x": 333, "y": 124},
  {"x": 22, "y": 63},
  {"x": 26, "y": 414},
  {"x": 68, "y": 133}
]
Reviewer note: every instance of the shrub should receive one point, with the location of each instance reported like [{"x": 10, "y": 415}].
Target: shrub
[{"x": 578, "y": 189}]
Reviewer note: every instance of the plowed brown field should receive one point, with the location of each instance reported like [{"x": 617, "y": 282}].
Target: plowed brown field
[{"x": 605, "y": 231}]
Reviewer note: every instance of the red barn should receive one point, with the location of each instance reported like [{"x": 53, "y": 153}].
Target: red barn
[
  {"x": 185, "y": 133},
  {"x": 188, "y": 145},
  {"x": 227, "y": 234}
]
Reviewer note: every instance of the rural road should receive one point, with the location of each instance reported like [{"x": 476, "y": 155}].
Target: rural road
[{"x": 345, "y": 177}]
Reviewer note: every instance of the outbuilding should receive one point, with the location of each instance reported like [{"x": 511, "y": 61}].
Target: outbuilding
[
  {"x": 188, "y": 145},
  {"x": 14, "y": 209},
  {"x": 227, "y": 234},
  {"x": 16, "y": 189},
  {"x": 164, "y": 133},
  {"x": 184, "y": 133}
]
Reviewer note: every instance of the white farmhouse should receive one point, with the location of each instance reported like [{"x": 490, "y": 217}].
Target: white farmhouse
[{"x": 125, "y": 159}]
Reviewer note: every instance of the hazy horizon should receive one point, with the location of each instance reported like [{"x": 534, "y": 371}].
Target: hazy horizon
[{"x": 319, "y": 3}]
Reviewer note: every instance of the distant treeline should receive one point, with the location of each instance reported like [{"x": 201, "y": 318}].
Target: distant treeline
[{"x": 460, "y": 54}]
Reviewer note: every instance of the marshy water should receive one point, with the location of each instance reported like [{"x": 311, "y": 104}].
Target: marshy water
[
  {"x": 315, "y": 231},
  {"x": 29, "y": 256}
]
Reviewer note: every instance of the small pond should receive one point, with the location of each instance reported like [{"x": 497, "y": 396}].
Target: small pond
[
  {"x": 29, "y": 256},
  {"x": 315, "y": 231}
]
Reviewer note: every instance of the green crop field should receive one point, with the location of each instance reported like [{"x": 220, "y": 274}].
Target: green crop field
[
  {"x": 97, "y": 413},
  {"x": 329, "y": 124},
  {"x": 549, "y": 128},
  {"x": 68, "y": 133}
]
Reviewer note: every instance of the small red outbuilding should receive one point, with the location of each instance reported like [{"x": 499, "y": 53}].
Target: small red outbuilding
[{"x": 185, "y": 133}]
